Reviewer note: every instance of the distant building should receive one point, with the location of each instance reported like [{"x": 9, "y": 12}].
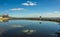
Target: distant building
[
  {"x": 4, "y": 16},
  {"x": 1, "y": 16}
]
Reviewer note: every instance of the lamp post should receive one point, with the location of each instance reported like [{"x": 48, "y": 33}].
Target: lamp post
[{"x": 40, "y": 17}]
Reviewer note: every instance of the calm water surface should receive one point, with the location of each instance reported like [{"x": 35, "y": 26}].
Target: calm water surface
[{"x": 28, "y": 28}]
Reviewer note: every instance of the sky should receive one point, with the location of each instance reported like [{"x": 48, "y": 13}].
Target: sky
[{"x": 30, "y": 8}]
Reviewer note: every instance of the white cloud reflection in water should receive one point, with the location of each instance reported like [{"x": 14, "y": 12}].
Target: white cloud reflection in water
[
  {"x": 27, "y": 31},
  {"x": 15, "y": 26}
]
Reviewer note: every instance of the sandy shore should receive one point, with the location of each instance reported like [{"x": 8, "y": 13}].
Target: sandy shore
[{"x": 4, "y": 18}]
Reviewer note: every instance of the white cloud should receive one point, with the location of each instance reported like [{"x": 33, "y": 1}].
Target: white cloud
[
  {"x": 47, "y": 14},
  {"x": 29, "y": 3},
  {"x": 14, "y": 9},
  {"x": 52, "y": 14}
]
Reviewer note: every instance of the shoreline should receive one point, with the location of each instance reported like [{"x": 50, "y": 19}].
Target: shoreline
[
  {"x": 4, "y": 18},
  {"x": 41, "y": 19}
]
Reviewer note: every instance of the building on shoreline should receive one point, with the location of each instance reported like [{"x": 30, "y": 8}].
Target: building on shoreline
[
  {"x": 4, "y": 16},
  {"x": 0, "y": 16}
]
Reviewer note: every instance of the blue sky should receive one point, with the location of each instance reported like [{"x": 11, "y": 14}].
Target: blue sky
[{"x": 30, "y": 8}]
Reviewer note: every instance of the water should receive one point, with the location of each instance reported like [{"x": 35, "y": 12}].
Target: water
[{"x": 28, "y": 28}]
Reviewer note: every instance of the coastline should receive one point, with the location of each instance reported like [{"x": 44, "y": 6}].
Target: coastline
[{"x": 4, "y": 18}]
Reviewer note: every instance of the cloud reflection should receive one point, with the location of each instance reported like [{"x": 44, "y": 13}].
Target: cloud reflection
[
  {"x": 27, "y": 31},
  {"x": 15, "y": 26}
]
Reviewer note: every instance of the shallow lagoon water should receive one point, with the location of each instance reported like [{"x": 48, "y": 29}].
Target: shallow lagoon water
[{"x": 29, "y": 28}]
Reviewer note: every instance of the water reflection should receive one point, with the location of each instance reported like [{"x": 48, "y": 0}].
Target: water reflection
[
  {"x": 58, "y": 33},
  {"x": 27, "y": 31},
  {"x": 15, "y": 26},
  {"x": 40, "y": 22},
  {"x": 4, "y": 20},
  {"x": 18, "y": 32},
  {"x": 24, "y": 28},
  {"x": 59, "y": 23}
]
